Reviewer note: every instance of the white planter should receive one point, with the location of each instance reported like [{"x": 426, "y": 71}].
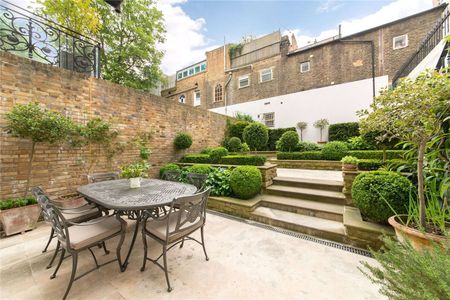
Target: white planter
[{"x": 135, "y": 182}]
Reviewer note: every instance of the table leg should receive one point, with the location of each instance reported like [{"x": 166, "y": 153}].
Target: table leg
[{"x": 136, "y": 229}]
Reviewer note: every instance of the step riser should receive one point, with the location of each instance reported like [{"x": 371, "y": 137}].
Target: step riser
[
  {"x": 308, "y": 185},
  {"x": 306, "y": 196},
  {"x": 304, "y": 211},
  {"x": 299, "y": 228}
]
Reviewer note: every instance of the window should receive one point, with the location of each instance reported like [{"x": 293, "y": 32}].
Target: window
[
  {"x": 265, "y": 75},
  {"x": 244, "y": 81},
  {"x": 304, "y": 67},
  {"x": 182, "y": 99},
  {"x": 192, "y": 70},
  {"x": 400, "y": 42},
  {"x": 218, "y": 93},
  {"x": 197, "y": 100},
  {"x": 269, "y": 119}
]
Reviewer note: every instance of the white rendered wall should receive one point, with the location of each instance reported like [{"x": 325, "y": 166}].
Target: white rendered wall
[{"x": 337, "y": 103}]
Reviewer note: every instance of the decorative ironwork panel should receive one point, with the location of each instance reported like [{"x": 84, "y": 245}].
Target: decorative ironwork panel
[{"x": 26, "y": 34}]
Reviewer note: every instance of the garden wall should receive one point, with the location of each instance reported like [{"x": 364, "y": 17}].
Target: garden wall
[{"x": 59, "y": 169}]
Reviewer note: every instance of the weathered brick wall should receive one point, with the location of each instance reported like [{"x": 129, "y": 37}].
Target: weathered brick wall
[{"x": 58, "y": 168}]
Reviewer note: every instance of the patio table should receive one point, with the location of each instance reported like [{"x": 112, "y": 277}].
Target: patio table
[{"x": 151, "y": 197}]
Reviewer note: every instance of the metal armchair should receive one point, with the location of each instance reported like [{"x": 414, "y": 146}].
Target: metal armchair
[
  {"x": 171, "y": 176},
  {"x": 98, "y": 177},
  {"x": 198, "y": 180},
  {"x": 176, "y": 227}
]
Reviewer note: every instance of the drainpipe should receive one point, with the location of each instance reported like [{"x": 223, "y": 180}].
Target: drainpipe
[{"x": 230, "y": 73}]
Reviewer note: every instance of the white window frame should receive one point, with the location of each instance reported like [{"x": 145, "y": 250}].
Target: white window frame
[
  {"x": 261, "y": 75},
  {"x": 272, "y": 120},
  {"x": 199, "y": 98},
  {"x": 308, "y": 64},
  {"x": 405, "y": 36},
  {"x": 242, "y": 78},
  {"x": 184, "y": 99}
]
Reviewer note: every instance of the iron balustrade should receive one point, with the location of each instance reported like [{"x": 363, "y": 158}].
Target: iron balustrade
[
  {"x": 431, "y": 40},
  {"x": 29, "y": 35}
]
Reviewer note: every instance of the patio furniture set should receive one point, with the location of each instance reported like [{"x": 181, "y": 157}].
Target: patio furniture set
[{"x": 167, "y": 211}]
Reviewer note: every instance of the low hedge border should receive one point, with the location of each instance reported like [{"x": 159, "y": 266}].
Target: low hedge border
[
  {"x": 360, "y": 154},
  {"x": 375, "y": 164},
  {"x": 307, "y": 155},
  {"x": 251, "y": 160}
]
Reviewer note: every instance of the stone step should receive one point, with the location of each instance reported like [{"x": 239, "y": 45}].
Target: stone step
[
  {"x": 319, "y": 184},
  {"x": 326, "y": 229},
  {"x": 310, "y": 208},
  {"x": 306, "y": 194}
]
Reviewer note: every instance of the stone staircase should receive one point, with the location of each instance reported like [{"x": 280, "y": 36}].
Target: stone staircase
[{"x": 309, "y": 206}]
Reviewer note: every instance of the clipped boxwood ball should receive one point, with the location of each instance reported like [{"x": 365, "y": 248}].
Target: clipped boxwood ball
[
  {"x": 245, "y": 181},
  {"x": 256, "y": 136},
  {"x": 217, "y": 153},
  {"x": 234, "y": 144},
  {"x": 334, "y": 150},
  {"x": 371, "y": 191},
  {"x": 183, "y": 140},
  {"x": 200, "y": 169},
  {"x": 288, "y": 141}
]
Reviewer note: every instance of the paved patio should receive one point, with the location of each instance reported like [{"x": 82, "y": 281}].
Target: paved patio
[{"x": 246, "y": 262}]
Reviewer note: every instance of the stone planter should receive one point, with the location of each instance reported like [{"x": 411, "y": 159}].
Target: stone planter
[
  {"x": 135, "y": 183},
  {"x": 349, "y": 167},
  {"x": 419, "y": 240},
  {"x": 20, "y": 219}
]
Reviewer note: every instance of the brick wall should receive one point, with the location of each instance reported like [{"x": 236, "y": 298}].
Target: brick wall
[{"x": 58, "y": 168}]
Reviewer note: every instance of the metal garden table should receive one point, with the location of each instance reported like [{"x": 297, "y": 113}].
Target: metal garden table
[{"x": 152, "y": 196}]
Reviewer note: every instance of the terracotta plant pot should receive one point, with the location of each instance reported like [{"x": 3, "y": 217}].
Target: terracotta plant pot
[
  {"x": 321, "y": 142},
  {"x": 20, "y": 219},
  {"x": 349, "y": 167},
  {"x": 418, "y": 239}
]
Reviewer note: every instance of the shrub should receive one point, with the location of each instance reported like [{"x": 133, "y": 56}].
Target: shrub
[
  {"x": 13, "y": 203},
  {"x": 288, "y": 141},
  {"x": 245, "y": 181},
  {"x": 275, "y": 135},
  {"x": 377, "y": 154},
  {"x": 183, "y": 140},
  {"x": 134, "y": 170},
  {"x": 237, "y": 129},
  {"x": 350, "y": 160},
  {"x": 307, "y": 155},
  {"x": 217, "y": 153},
  {"x": 256, "y": 136},
  {"x": 369, "y": 164},
  {"x": 206, "y": 150},
  {"x": 372, "y": 191},
  {"x": 252, "y": 160},
  {"x": 234, "y": 144},
  {"x": 343, "y": 131},
  {"x": 196, "y": 159},
  {"x": 307, "y": 146},
  {"x": 359, "y": 143},
  {"x": 199, "y": 169},
  {"x": 219, "y": 182},
  {"x": 168, "y": 168},
  {"x": 244, "y": 147},
  {"x": 334, "y": 150}
]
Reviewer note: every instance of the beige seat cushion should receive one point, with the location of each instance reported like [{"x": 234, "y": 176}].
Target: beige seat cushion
[
  {"x": 82, "y": 236},
  {"x": 82, "y": 214},
  {"x": 159, "y": 228}
]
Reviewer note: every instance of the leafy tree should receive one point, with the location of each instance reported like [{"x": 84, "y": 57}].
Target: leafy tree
[
  {"x": 301, "y": 126},
  {"x": 243, "y": 117},
  {"x": 321, "y": 124},
  {"x": 30, "y": 121}
]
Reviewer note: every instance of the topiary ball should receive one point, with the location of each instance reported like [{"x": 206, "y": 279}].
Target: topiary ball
[
  {"x": 334, "y": 150},
  {"x": 245, "y": 181},
  {"x": 234, "y": 144},
  {"x": 217, "y": 153},
  {"x": 200, "y": 169},
  {"x": 256, "y": 136},
  {"x": 371, "y": 191},
  {"x": 288, "y": 141},
  {"x": 183, "y": 140}
]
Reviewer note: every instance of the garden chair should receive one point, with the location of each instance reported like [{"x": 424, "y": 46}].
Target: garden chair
[
  {"x": 75, "y": 215},
  {"x": 98, "y": 177},
  {"x": 175, "y": 227},
  {"x": 171, "y": 176},
  {"x": 199, "y": 180},
  {"x": 76, "y": 237}
]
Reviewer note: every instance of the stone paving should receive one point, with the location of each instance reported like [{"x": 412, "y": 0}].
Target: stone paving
[
  {"x": 310, "y": 174},
  {"x": 246, "y": 262}
]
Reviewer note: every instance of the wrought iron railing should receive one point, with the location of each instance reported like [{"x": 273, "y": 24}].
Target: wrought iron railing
[
  {"x": 29, "y": 35},
  {"x": 431, "y": 40}
]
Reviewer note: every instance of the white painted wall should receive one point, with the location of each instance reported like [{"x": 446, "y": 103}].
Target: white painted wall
[{"x": 337, "y": 103}]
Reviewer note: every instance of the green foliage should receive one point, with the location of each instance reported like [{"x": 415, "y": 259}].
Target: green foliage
[
  {"x": 237, "y": 129},
  {"x": 307, "y": 155},
  {"x": 274, "y": 135},
  {"x": 196, "y": 159},
  {"x": 13, "y": 203},
  {"x": 321, "y": 124},
  {"x": 343, "y": 131},
  {"x": 219, "y": 182},
  {"x": 251, "y": 160},
  {"x": 243, "y": 117},
  {"x": 334, "y": 150},
  {"x": 256, "y": 136},
  {"x": 234, "y": 144},
  {"x": 200, "y": 169},
  {"x": 349, "y": 160},
  {"x": 376, "y": 193},
  {"x": 141, "y": 140},
  {"x": 245, "y": 181},
  {"x": 235, "y": 50},
  {"x": 370, "y": 164},
  {"x": 359, "y": 143},
  {"x": 307, "y": 146},
  {"x": 206, "y": 150},
  {"x": 134, "y": 170},
  {"x": 244, "y": 147},
  {"x": 288, "y": 141},
  {"x": 183, "y": 140},
  {"x": 217, "y": 153},
  {"x": 168, "y": 168},
  {"x": 377, "y": 154},
  {"x": 404, "y": 273}
]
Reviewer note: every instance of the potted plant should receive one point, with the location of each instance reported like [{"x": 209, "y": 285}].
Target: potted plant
[
  {"x": 134, "y": 172},
  {"x": 301, "y": 126},
  {"x": 19, "y": 215},
  {"x": 416, "y": 112},
  {"x": 349, "y": 163},
  {"x": 321, "y": 124}
]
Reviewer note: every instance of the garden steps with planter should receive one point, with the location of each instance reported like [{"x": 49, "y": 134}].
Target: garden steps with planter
[
  {"x": 328, "y": 185},
  {"x": 307, "y": 193}
]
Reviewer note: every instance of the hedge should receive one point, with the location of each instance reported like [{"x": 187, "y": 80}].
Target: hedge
[
  {"x": 307, "y": 155},
  {"x": 253, "y": 160},
  {"x": 343, "y": 131},
  {"x": 334, "y": 150},
  {"x": 236, "y": 129},
  {"x": 196, "y": 159},
  {"x": 376, "y": 154},
  {"x": 168, "y": 168},
  {"x": 275, "y": 135},
  {"x": 375, "y": 164},
  {"x": 200, "y": 169},
  {"x": 256, "y": 136}
]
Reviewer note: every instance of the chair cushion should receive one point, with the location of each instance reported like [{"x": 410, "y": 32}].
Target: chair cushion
[
  {"x": 158, "y": 228},
  {"x": 81, "y": 214},
  {"x": 82, "y": 236}
]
